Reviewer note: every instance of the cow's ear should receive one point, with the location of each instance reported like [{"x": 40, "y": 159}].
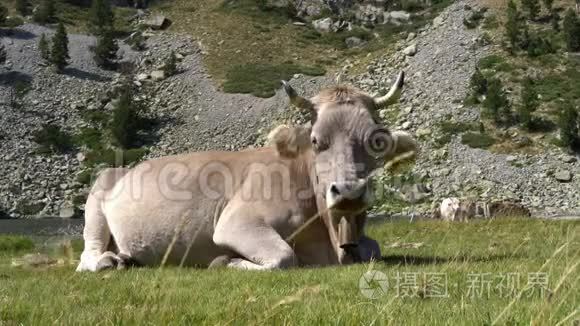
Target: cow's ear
[
  {"x": 404, "y": 151},
  {"x": 289, "y": 141}
]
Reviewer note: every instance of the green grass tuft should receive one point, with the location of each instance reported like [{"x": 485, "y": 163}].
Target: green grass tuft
[
  {"x": 477, "y": 140},
  {"x": 492, "y": 61},
  {"x": 52, "y": 139},
  {"x": 262, "y": 80},
  {"x": 11, "y": 243},
  {"x": 29, "y": 209},
  {"x": 564, "y": 86}
]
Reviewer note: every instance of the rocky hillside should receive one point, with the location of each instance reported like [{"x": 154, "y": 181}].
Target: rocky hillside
[
  {"x": 191, "y": 113},
  {"x": 194, "y": 114},
  {"x": 439, "y": 62}
]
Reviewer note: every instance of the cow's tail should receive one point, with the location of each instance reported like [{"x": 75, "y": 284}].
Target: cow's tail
[{"x": 97, "y": 235}]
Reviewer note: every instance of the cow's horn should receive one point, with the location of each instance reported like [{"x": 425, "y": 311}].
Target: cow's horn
[
  {"x": 295, "y": 99},
  {"x": 393, "y": 94}
]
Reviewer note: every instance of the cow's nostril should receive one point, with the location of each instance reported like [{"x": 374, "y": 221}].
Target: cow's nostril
[{"x": 334, "y": 190}]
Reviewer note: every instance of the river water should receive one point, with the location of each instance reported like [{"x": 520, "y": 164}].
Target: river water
[{"x": 71, "y": 228}]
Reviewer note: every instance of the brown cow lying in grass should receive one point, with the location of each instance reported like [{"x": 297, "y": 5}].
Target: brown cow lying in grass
[{"x": 245, "y": 207}]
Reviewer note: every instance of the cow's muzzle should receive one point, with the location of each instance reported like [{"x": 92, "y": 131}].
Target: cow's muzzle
[{"x": 353, "y": 196}]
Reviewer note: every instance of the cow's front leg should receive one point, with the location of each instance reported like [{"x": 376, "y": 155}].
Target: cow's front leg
[{"x": 261, "y": 247}]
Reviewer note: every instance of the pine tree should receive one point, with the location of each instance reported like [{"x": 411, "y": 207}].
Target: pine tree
[
  {"x": 3, "y": 14},
  {"x": 548, "y": 4},
  {"x": 124, "y": 124},
  {"x": 46, "y": 12},
  {"x": 496, "y": 102},
  {"x": 478, "y": 83},
  {"x": 568, "y": 123},
  {"x": 555, "y": 20},
  {"x": 44, "y": 47},
  {"x": 530, "y": 103},
  {"x": 571, "y": 27},
  {"x": 105, "y": 52},
  {"x": 512, "y": 26},
  {"x": 532, "y": 7},
  {"x": 101, "y": 17},
  {"x": 170, "y": 67},
  {"x": 3, "y": 55},
  {"x": 59, "y": 51},
  {"x": 23, "y": 7}
]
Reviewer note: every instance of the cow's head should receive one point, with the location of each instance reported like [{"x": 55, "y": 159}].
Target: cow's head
[{"x": 348, "y": 143}]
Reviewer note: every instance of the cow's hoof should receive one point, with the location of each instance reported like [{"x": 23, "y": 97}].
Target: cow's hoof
[
  {"x": 106, "y": 263},
  {"x": 220, "y": 262},
  {"x": 126, "y": 261}
]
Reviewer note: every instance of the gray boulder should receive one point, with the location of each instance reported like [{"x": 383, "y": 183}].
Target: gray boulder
[
  {"x": 323, "y": 25},
  {"x": 158, "y": 75},
  {"x": 353, "y": 42},
  {"x": 157, "y": 22},
  {"x": 563, "y": 176},
  {"x": 411, "y": 50},
  {"x": 396, "y": 17}
]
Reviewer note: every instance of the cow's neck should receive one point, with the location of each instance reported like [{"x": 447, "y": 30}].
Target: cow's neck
[{"x": 304, "y": 165}]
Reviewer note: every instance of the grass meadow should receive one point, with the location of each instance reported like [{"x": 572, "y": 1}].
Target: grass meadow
[{"x": 499, "y": 272}]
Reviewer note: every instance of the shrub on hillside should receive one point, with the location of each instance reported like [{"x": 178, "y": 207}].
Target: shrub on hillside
[
  {"x": 19, "y": 90},
  {"x": 531, "y": 7},
  {"x": 475, "y": 18},
  {"x": 13, "y": 21},
  {"x": 537, "y": 45},
  {"x": 52, "y": 139},
  {"x": 170, "y": 66}
]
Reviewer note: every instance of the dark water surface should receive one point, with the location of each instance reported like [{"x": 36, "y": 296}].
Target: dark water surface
[{"x": 43, "y": 227}]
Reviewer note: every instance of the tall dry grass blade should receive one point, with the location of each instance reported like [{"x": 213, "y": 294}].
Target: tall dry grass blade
[
  {"x": 509, "y": 306},
  {"x": 178, "y": 230},
  {"x": 570, "y": 316}
]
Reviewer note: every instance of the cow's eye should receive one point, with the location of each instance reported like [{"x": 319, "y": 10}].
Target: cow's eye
[{"x": 318, "y": 145}]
